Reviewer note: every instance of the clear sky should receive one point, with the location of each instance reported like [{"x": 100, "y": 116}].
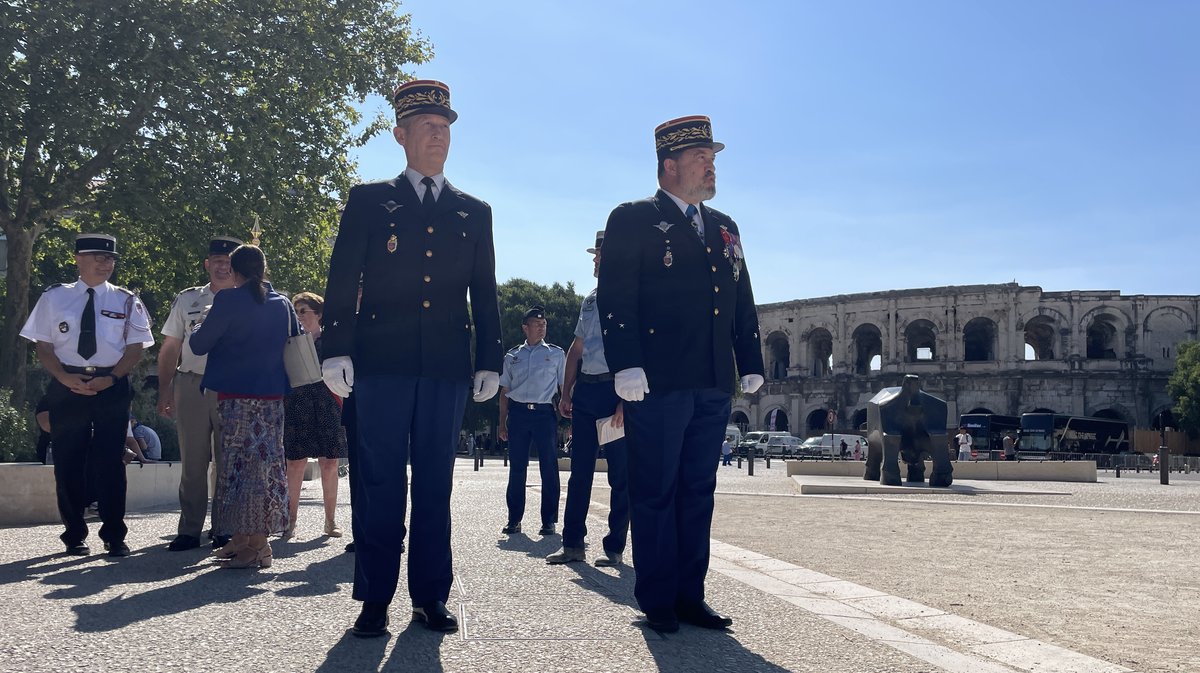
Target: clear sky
[{"x": 869, "y": 145}]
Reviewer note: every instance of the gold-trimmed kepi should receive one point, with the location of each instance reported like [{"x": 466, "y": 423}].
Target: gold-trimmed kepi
[
  {"x": 423, "y": 96},
  {"x": 88, "y": 243},
  {"x": 683, "y": 133}
]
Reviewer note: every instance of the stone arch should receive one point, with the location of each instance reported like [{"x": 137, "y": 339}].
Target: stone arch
[
  {"x": 1105, "y": 329},
  {"x": 778, "y": 356},
  {"x": 740, "y": 419},
  {"x": 1113, "y": 411},
  {"x": 920, "y": 339},
  {"x": 979, "y": 340},
  {"x": 816, "y": 422},
  {"x": 1165, "y": 328},
  {"x": 776, "y": 419},
  {"x": 981, "y": 410},
  {"x": 858, "y": 420},
  {"x": 1041, "y": 334},
  {"x": 1163, "y": 417},
  {"x": 820, "y": 352},
  {"x": 1042, "y": 410},
  {"x": 867, "y": 340}
]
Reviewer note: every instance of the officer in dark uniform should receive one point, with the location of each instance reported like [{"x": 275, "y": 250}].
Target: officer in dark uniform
[
  {"x": 588, "y": 397},
  {"x": 89, "y": 336},
  {"x": 677, "y": 310},
  {"x": 419, "y": 247},
  {"x": 532, "y": 375}
]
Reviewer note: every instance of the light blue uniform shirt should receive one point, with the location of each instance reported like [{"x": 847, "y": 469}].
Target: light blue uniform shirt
[
  {"x": 533, "y": 374},
  {"x": 588, "y": 329}
]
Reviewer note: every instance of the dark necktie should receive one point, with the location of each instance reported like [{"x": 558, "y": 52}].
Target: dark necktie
[
  {"x": 427, "y": 200},
  {"x": 87, "y": 327},
  {"x": 690, "y": 213}
]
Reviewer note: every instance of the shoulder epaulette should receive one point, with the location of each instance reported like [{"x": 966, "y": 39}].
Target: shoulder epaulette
[
  {"x": 51, "y": 287},
  {"x": 118, "y": 288},
  {"x": 554, "y": 346},
  {"x": 514, "y": 349}
]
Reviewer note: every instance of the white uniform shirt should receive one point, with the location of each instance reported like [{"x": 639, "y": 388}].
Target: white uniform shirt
[
  {"x": 120, "y": 320},
  {"x": 189, "y": 308}
]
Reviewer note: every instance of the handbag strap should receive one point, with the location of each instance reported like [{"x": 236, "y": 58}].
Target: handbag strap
[{"x": 293, "y": 319}]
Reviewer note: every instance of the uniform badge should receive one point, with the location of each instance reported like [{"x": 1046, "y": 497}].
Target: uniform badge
[
  {"x": 462, "y": 214},
  {"x": 663, "y": 226},
  {"x": 391, "y": 245},
  {"x": 668, "y": 259},
  {"x": 733, "y": 250},
  {"x": 64, "y": 327},
  {"x": 391, "y": 206}
]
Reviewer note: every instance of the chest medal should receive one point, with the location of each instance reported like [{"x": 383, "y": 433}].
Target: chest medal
[
  {"x": 391, "y": 244},
  {"x": 668, "y": 259}
]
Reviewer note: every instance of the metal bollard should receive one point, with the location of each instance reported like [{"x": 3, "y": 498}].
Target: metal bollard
[
  {"x": 739, "y": 461},
  {"x": 750, "y": 462},
  {"x": 768, "y": 461},
  {"x": 1118, "y": 470},
  {"x": 506, "y": 457},
  {"x": 478, "y": 458}
]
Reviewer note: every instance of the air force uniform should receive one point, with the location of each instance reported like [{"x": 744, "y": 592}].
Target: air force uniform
[
  {"x": 681, "y": 308},
  {"x": 532, "y": 375},
  {"x": 90, "y": 328}
]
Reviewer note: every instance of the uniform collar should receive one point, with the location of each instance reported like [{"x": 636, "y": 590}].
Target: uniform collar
[
  {"x": 684, "y": 204},
  {"x": 414, "y": 179},
  {"x": 82, "y": 287},
  {"x": 541, "y": 343}
]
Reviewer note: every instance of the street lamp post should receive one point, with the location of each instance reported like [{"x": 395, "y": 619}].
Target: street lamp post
[{"x": 1164, "y": 472}]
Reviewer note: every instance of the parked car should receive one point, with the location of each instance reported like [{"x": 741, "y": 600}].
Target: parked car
[
  {"x": 785, "y": 445},
  {"x": 757, "y": 441},
  {"x": 830, "y": 445}
]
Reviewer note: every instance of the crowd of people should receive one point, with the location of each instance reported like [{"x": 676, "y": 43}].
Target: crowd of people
[{"x": 659, "y": 347}]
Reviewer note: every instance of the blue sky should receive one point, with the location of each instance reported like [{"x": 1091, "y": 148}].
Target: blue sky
[{"x": 870, "y": 145}]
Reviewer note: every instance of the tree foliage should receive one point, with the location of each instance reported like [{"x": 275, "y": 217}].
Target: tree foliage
[
  {"x": 1184, "y": 387},
  {"x": 166, "y": 122}
]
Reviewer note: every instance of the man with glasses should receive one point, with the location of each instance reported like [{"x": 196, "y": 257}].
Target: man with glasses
[{"x": 89, "y": 336}]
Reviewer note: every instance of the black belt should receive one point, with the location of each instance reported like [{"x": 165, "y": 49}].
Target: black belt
[
  {"x": 89, "y": 370},
  {"x": 595, "y": 378},
  {"x": 532, "y": 406}
]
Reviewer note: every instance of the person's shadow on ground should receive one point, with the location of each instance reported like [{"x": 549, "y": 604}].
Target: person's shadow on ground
[{"x": 416, "y": 649}]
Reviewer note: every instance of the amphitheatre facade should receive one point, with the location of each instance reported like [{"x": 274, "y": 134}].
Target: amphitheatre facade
[{"x": 1004, "y": 349}]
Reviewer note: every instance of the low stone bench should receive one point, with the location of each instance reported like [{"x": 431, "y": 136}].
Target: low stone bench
[
  {"x": 999, "y": 470},
  {"x": 29, "y": 499},
  {"x": 564, "y": 465}
]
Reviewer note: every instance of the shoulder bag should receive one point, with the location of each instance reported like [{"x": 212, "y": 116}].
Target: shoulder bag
[{"x": 300, "y": 354}]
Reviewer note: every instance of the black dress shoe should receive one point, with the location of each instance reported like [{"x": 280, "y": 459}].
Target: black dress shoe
[
  {"x": 349, "y": 547},
  {"x": 221, "y": 540},
  {"x": 699, "y": 614},
  {"x": 547, "y": 529},
  {"x": 116, "y": 548},
  {"x": 78, "y": 549},
  {"x": 183, "y": 543},
  {"x": 511, "y": 529},
  {"x": 435, "y": 616},
  {"x": 663, "y": 621},
  {"x": 372, "y": 621}
]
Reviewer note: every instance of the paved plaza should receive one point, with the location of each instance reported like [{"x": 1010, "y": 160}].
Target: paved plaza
[{"x": 1095, "y": 578}]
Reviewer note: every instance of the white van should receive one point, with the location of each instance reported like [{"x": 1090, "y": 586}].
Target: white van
[
  {"x": 734, "y": 434},
  {"x": 758, "y": 440},
  {"x": 830, "y": 445}
]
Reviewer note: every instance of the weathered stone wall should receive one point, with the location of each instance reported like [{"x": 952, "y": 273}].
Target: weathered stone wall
[{"x": 1092, "y": 352}]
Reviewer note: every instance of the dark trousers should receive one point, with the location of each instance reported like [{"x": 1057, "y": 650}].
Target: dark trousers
[
  {"x": 673, "y": 437},
  {"x": 591, "y": 402},
  {"x": 88, "y": 434},
  {"x": 403, "y": 420},
  {"x": 531, "y": 427}
]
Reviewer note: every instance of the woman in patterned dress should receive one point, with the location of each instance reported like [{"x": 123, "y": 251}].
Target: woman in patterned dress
[
  {"x": 244, "y": 335},
  {"x": 313, "y": 428}
]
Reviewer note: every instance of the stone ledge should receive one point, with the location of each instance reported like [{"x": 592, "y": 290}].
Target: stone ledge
[
  {"x": 997, "y": 470},
  {"x": 564, "y": 465},
  {"x": 29, "y": 497}
]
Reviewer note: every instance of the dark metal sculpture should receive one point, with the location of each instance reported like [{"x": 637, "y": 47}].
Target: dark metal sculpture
[{"x": 907, "y": 422}]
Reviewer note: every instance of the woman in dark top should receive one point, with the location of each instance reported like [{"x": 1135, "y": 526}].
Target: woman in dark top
[
  {"x": 313, "y": 428},
  {"x": 244, "y": 335}
]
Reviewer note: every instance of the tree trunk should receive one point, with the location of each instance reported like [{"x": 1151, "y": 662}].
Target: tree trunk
[{"x": 14, "y": 352}]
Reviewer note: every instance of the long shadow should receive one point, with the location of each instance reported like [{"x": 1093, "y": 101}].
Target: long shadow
[
  {"x": 143, "y": 566},
  {"x": 319, "y": 579},
  {"x": 416, "y": 649},
  {"x": 693, "y": 649},
  {"x": 22, "y": 570}
]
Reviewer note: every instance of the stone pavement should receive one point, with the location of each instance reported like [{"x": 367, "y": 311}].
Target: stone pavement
[{"x": 1098, "y": 578}]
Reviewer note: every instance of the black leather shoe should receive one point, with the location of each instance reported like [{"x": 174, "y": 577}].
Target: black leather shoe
[
  {"x": 436, "y": 617},
  {"x": 699, "y": 614},
  {"x": 350, "y": 548},
  {"x": 183, "y": 543},
  {"x": 221, "y": 540},
  {"x": 663, "y": 621},
  {"x": 116, "y": 548},
  {"x": 372, "y": 621},
  {"x": 511, "y": 529},
  {"x": 78, "y": 549},
  {"x": 547, "y": 529}
]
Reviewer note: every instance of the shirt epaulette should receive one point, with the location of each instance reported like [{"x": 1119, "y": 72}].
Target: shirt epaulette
[
  {"x": 51, "y": 287},
  {"x": 118, "y": 288},
  {"x": 554, "y": 346},
  {"x": 514, "y": 349}
]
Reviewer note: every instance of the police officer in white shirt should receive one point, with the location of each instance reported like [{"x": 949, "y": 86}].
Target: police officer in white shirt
[
  {"x": 89, "y": 336},
  {"x": 179, "y": 394}
]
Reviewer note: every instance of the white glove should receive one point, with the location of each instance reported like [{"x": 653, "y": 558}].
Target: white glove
[
  {"x": 631, "y": 384},
  {"x": 486, "y": 385},
  {"x": 339, "y": 375},
  {"x": 751, "y": 383}
]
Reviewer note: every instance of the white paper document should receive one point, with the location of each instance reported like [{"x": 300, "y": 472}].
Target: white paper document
[{"x": 607, "y": 432}]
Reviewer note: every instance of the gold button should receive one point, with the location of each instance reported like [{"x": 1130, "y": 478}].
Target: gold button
[
  {"x": 425, "y": 303},
  {"x": 429, "y": 253},
  {"x": 716, "y": 289},
  {"x": 429, "y": 229},
  {"x": 714, "y": 269},
  {"x": 716, "y": 311},
  {"x": 427, "y": 279}
]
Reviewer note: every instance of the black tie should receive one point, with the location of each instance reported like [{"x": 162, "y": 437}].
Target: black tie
[
  {"x": 87, "y": 327},
  {"x": 427, "y": 200},
  {"x": 691, "y": 215}
]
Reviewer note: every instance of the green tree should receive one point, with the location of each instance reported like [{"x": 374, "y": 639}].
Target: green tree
[
  {"x": 1184, "y": 387},
  {"x": 516, "y": 296},
  {"x": 165, "y": 122}
]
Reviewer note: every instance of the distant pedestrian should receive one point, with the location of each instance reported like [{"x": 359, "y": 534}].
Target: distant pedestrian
[
  {"x": 1010, "y": 446},
  {"x": 858, "y": 449},
  {"x": 726, "y": 452},
  {"x": 845, "y": 450},
  {"x": 964, "y": 444}
]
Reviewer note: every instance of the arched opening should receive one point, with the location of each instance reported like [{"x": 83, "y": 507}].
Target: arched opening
[
  {"x": 979, "y": 340},
  {"x": 740, "y": 419},
  {"x": 1109, "y": 413},
  {"x": 921, "y": 339},
  {"x": 981, "y": 410},
  {"x": 1102, "y": 338},
  {"x": 776, "y": 420},
  {"x": 858, "y": 422},
  {"x": 820, "y": 346},
  {"x": 778, "y": 357},
  {"x": 1165, "y": 330},
  {"x": 816, "y": 422},
  {"x": 1163, "y": 418},
  {"x": 1043, "y": 410},
  {"x": 1039, "y": 338},
  {"x": 868, "y": 345}
]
